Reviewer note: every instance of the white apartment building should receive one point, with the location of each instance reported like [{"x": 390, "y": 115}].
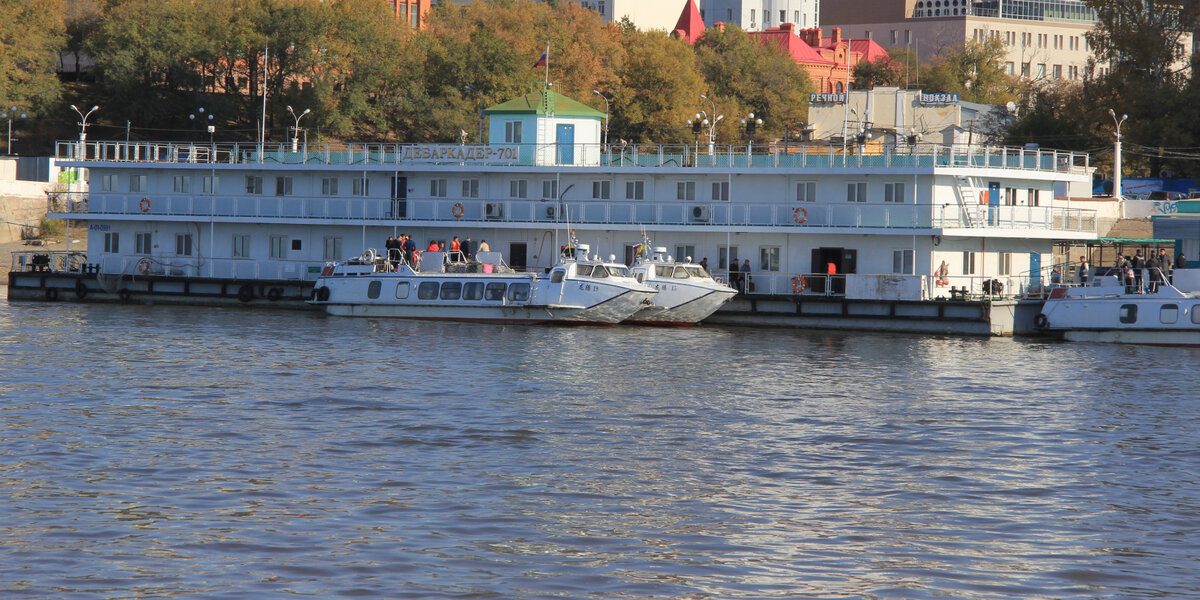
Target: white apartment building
[{"x": 757, "y": 15}]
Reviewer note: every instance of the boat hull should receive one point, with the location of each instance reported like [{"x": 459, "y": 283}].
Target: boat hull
[
  {"x": 1154, "y": 337},
  {"x": 695, "y": 306}
]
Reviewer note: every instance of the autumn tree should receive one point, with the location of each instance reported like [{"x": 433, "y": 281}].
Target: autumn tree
[
  {"x": 32, "y": 33},
  {"x": 975, "y": 72}
]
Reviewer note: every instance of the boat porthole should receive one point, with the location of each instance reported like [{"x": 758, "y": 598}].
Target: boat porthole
[
  {"x": 323, "y": 294},
  {"x": 245, "y": 293}
]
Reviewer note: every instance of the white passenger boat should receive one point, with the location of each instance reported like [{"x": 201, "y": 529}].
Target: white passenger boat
[
  {"x": 1107, "y": 311},
  {"x": 580, "y": 289},
  {"x": 687, "y": 293}
]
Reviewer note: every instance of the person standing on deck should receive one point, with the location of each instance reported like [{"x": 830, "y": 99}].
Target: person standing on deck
[
  {"x": 467, "y": 250},
  {"x": 1084, "y": 270}
]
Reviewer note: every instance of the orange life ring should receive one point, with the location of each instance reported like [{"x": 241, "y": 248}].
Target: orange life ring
[
  {"x": 458, "y": 211},
  {"x": 800, "y": 215},
  {"x": 143, "y": 266},
  {"x": 144, "y": 205},
  {"x": 799, "y": 284}
]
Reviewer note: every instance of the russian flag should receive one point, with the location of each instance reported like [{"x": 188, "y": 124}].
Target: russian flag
[{"x": 541, "y": 62}]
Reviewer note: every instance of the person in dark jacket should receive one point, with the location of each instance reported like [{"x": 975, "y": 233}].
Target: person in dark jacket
[{"x": 468, "y": 248}]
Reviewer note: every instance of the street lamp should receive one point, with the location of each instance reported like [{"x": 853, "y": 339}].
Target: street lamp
[
  {"x": 597, "y": 92},
  {"x": 296, "y": 130},
  {"x": 750, "y": 124},
  {"x": 1117, "y": 154},
  {"x": 471, "y": 88},
  {"x": 10, "y": 115},
  {"x": 83, "y": 128},
  {"x": 199, "y": 114},
  {"x": 710, "y": 122}
]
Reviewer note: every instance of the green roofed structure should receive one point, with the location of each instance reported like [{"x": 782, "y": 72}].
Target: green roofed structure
[{"x": 555, "y": 129}]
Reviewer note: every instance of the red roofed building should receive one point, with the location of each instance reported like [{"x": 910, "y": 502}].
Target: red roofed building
[
  {"x": 690, "y": 26},
  {"x": 825, "y": 59}
]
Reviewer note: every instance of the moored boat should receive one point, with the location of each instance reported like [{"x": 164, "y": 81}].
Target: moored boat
[
  {"x": 1108, "y": 311},
  {"x": 687, "y": 293}
]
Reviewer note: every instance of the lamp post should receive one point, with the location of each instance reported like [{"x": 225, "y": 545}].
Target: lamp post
[
  {"x": 710, "y": 122},
  {"x": 750, "y": 124},
  {"x": 296, "y": 129},
  {"x": 83, "y": 128},
  {"x": 1117, "y": 154},
  {"x": 597, "y": 92},
  {"x": 200, "y": 117},
  {"x": 10, "y": 115},
  {"x": 471, "y": 88}
]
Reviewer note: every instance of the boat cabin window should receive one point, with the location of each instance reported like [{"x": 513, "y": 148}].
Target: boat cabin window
[
  {"x": 473, "y": 290},
  {"x": 641, "y": 277},
  {"x": 402, "y": 290},
  {"x": 599, "y": 272},
  {"x": 1128, "y": 313},
  {"x": 556, "y": 276},
  {"x": 697, "y": 272},
  {"x": 451, "y": 290},
  {"x": 583, "y": 270},
  {"x": 373, "y": 289},
  {"x": 428, "y": 290},
  {"x": 663, "y": 270},
  {"x": 1196, "y": 314},
  {"x": 619, "y": 271},
  {"x": 1168, "y": 314},
  {"x": 494, "y": 291},
  {"x": 518, "y": 292},
  {"x": 681, "y": 273}
]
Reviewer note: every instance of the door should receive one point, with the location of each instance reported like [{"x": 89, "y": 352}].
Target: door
[
  {"x": 517, "y": 251},
  {"x": 993, "y": 203},
  {"x": 399, "y": 197},
  {"x": 832, "y": 265},
  {"x": 566, "y": 144},
  {"x": 1035, "y": 269}
]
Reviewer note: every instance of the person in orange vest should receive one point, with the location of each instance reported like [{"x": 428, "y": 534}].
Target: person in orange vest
[
  {"x": 831, "y": 268},
  {"x": 433, "y": 247},
  {"x": 454, "y": 245}
]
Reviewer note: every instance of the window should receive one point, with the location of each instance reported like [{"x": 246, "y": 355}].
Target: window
[
  {"x": 768, "y": 258},
  {"x": 894, "y": 37},
  {"x": 1041, "y": 70},
  {"x": 968, "y": 263},
  {"x": 550, "y": 189},
  {"x": 373, "y": 289},
  {"x": 241, "y": 246},
  {"x": 296, "y": 245},
  {"x": 283, "y": 186},
  {"x": 254, "y": 184},
  {"x": 1057, "y": 71},
  {"x": 518, "y": 292},
  {"x": 428, "y": 290},
  {"x": 685, "y": 190},
  {"x": 1006, "y": 263},
  {"x": 726, "y": 255},
  {"x": 893, "y": 192},
  {"x": 210, "y": 184},
  {"x": 329, "y": 186},
  {"x": 183, "y": 184},
  {"x": 856, "y": 192},
  {"x": 1009, "y": 68},
  {"x": 402, "y": 290},
  {"x": 1128, "y": 313},
  {"x": 361, "y": 187},
  {"x": 112, "y": 242},
  {"x": 1032, "y": 197},
  {"x": 108, "y": 183},
  {"x": 1168, "y": 314},
  {"x": 279, "y": 246},
  {"x": 437, "y": 188},
  {"x": 1010, "y": 196},
  {"x": 452, "y": 290},
  {"x": 806, "y": 191},
  {"x": 183, "y": 244},
  {"x": 137, "y": 183},
  {"x": 470, "y": 188},
  {"x": 684, "y": 252},
  {"x": 518, "y": 188},
  {"x": 1196, "y": 314},
  {"x": 141, "y": 242},
  {"x": 494, "y": 291},
  {"x": 512, "y": 132},
  {"x": 601, "y": 190},
  {"x": 720, "y": 191},
  {"x": 332, "y": 248},
  {"x": 635, "y": 190},
  {"x": 908, "y": 37},
  {"x": 752, "y": 17},
  {"x": 473, "y": 290},
  {"x": 902, "y": 262},
  {"x": 1024, "y": 69},
  {"x": 783, "y": 16}
]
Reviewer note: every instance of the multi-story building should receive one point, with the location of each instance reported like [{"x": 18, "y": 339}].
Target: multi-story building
[
  {"x": 412, "y": 12},
  {"x": 759, "y": 15}
]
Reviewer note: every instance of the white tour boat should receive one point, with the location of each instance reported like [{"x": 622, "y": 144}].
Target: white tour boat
[
  {"x": 579, "y": 289},
  {"x": 687, "y": 293},
  {"x": 1105, "y": 310}
]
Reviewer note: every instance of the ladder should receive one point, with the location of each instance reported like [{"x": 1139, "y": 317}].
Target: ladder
[{"x": 964, "y": 190}]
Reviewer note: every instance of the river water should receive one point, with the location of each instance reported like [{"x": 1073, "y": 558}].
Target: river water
[{"x": 208, "y": 453}]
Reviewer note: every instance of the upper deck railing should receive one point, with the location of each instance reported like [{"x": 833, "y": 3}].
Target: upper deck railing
[{"x": 774, "y": 156}]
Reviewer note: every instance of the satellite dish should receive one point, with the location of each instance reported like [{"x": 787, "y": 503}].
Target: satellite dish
[{"x": 1011, "y": 106}]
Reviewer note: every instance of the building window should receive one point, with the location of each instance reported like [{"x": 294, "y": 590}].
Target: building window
[
  {"x": 726, "y": 255},
  {"x": 512, "y": 132},
  {"x": 437, "y": 188},
  {"x": 1009, "y": 68},
  {"x": 893, "y": 192},
  {"x": 720, "y": 191},
  {"x": 968, "y": 263},
  {"x": 635, "y": 190},
  {"x": 470, "y": 188},
  {"x": 1057, "y": 71},
  {"x": 752, "y": 17},
  {"x": 908, "y": 37},
  {"x": 902, "y": 262},
  {"x": 1006, "y": 263},
  {"x": 137, "y": 183},
  {"x": 183, "y": 244},
  {"x": 329, "y": 186},
  {"x": 183, "y": 184},
  {"x": 685, "y": 190},
  {"x": 768, "y": 258},
  {"x": 684, "y": 252},
  {"x": 210, "y": 184},
  {"x": 254, "y": 184},
  {"x": 283, "y": 186},
  {"x": 241, "y": 246},
  {"x": 112, "y": 242},
  {"x": 1041, "y": 70},
  {"x": 1032, "y": 198},
  {"x": 550, "y": 189},
  {"x": 601, "y": 190},
  {"x": 806, "y": 191},
  {"x": 108, "y": 183},
  {"x": 279, "y": 246},
  {"x": 141, "y": 242},
  {"x": 856, "y": 192},
  {"x": 1024, "y": 69},
  {"x": 783, "y": 16},
  {"x": 332, "y": 249},
  {"x": 1010, "y": 196},
  {"x": 893, "y": 37},
  {"x": 518, "y": 188},
  {"x": 361, "y": 187}
]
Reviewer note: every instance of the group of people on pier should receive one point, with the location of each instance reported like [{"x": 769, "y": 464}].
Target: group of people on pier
[{"x": 1137, "y": 273}]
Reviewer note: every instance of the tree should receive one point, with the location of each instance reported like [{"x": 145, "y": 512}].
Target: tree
[
  {"x": 659, "y": 91},
  {"x": 974, "y": 72},
  {"x": 32, "y": 33},
  {"x": 881, "y": 71},
  {"x": 1142, "y": 38}
]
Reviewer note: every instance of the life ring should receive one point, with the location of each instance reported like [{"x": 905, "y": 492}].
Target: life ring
[
  {"x": 458, "y": 211},
  {"x": 52, "y": 294},
  {"x": 81, "y": 290},
  {"x": 144, "y": 205},
  {"x": 125, "y": 295},
  {"x": 800, "y": 215},
  {"x": 143, "y": 266},
  {"x": 937, "y": 240},
  {"x": 799, "y": 284},
  {"x": 323, "y": 294},
  {"x": 274, "y": 294},
  {"x": 1041, "y": 322},
  {"x": 245, "y": 293}
]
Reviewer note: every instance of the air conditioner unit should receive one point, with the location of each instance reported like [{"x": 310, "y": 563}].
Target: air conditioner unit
[
  {"x": 552, "y": 212},
  {"x": 493, "y": 210},
  {"x": 700, "y": 213}
]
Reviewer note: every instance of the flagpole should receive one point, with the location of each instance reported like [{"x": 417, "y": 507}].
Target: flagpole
[{"x": 547, "y": 63}]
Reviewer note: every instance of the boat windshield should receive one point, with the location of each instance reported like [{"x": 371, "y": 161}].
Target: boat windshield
[
  {"x": 599, "y": 272},
  {"x": 619, "y": 270},
  {"x": 681, "y": 273},
  {"x": 698, "y": 272},
  {"x": 583, "y": 270},
  {"x": 662, "y": 270}
]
